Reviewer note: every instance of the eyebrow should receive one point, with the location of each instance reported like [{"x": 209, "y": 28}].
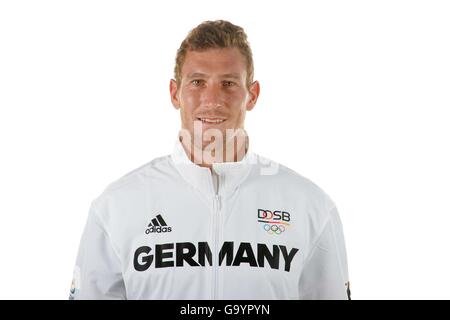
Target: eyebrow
[
  {"x": 196, "y": 75},
  {"x": 203, "y": 75},
  {"x": 231, "y": 75}
]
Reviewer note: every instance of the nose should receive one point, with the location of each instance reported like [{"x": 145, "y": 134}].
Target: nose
[{"x": 211, "y": 96}]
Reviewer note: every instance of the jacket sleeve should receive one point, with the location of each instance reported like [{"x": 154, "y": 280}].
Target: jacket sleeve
[
  {"x": 325, "y": 272},
  {"x": 97, "y": 273}
]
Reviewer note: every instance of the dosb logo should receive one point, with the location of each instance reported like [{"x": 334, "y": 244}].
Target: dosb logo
[
  {"x": 274, "y": 216},
  {"x": 275, "y": 222}
]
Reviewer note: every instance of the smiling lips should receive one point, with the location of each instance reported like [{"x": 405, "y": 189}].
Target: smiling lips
[{"x": 211, "y": 120}]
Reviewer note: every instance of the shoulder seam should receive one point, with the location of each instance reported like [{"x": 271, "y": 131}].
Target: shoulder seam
[
  {"x": 101, "y": 225},
  {"x": 322, "y": 230},
  {"x": 111, "y": 186}
]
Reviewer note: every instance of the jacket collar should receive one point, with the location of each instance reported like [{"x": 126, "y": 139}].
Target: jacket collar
[{"x": 230, "y": 174}]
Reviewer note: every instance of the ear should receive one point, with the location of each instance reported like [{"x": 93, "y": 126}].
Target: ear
[
  {"x": 174, "y": 94},
  {"x": 254, "y": 94}
]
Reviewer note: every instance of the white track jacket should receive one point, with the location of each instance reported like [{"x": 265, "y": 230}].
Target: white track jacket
[{"x": 251, "y": 229}]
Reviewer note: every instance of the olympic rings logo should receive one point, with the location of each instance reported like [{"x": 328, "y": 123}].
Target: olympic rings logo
[{"x": 274, "y": 229}]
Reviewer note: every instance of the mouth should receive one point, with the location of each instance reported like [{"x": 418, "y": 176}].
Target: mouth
[{"x": 211, "y": 120}]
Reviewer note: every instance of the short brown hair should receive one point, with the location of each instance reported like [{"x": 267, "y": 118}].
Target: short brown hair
[{"x": 213, "y": 35}]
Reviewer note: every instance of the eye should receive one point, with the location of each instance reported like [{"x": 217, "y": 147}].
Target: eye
[
  {"x": 196, "y": 82},
  {"x": 228, "y": 84}
]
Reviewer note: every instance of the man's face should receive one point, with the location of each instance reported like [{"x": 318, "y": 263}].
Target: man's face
[{"x": 213, "y": 91}]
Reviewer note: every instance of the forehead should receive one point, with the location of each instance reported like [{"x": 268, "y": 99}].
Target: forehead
[{"x": 214, "y": 61}]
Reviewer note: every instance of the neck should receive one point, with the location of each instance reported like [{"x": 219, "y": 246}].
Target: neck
[{"x": 232, "y": 150}]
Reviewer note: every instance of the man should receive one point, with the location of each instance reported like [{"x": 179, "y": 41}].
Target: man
[{"x": 213, "y": 220}]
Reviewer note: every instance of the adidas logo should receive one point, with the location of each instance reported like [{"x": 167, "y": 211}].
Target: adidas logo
[{"x": 158, "y": 225}]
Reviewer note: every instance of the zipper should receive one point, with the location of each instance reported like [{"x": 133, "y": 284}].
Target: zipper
[{"x": 216, "y": 228}]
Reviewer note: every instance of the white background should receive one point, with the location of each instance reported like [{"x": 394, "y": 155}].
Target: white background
[{"x": 355, "y": 96}]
